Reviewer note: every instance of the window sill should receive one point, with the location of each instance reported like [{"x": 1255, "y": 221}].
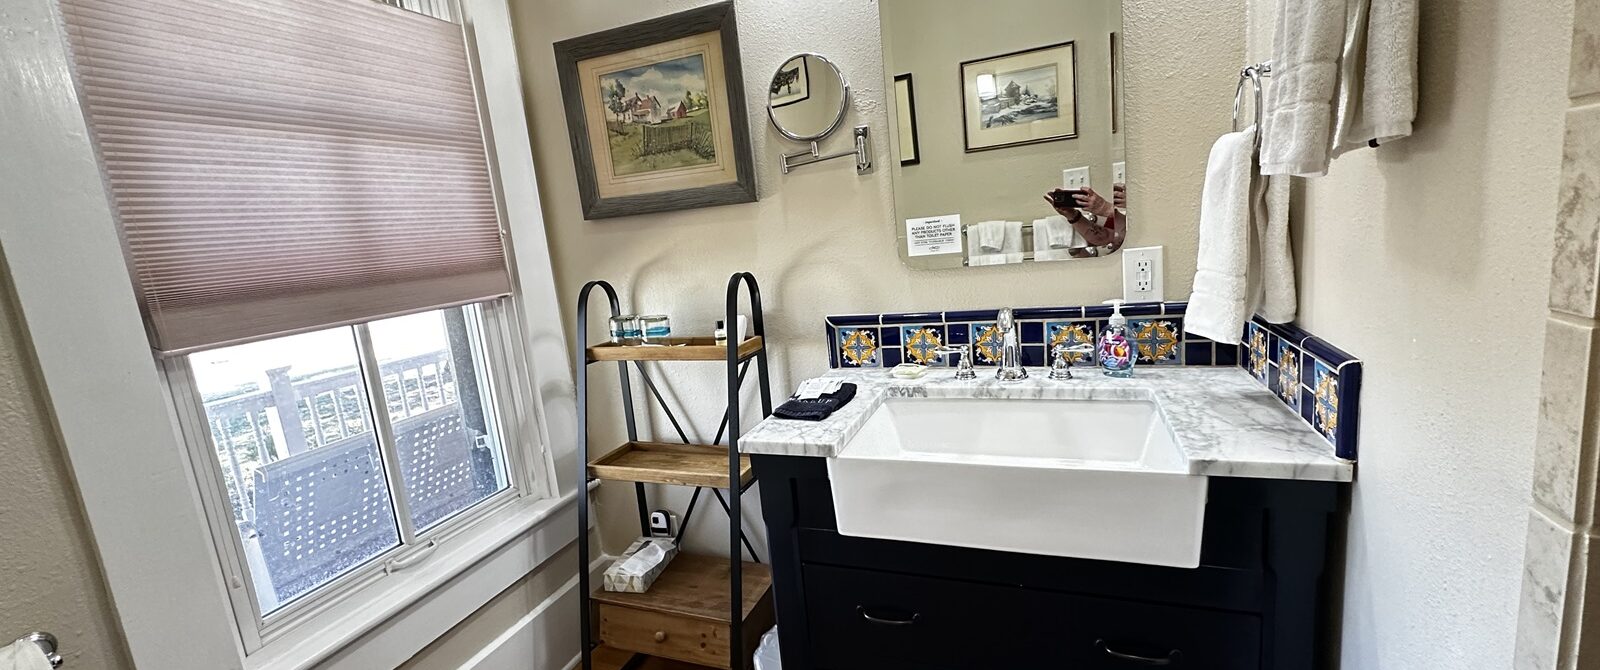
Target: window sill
[{"x": 481, "y": 560}]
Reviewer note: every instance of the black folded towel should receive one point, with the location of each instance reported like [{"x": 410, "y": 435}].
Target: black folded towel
[{"x": 818, "y": 408}]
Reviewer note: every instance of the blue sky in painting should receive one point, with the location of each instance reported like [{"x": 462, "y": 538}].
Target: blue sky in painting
[{"x": 667, "y": 80}]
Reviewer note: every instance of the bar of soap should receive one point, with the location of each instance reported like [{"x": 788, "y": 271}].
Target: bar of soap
[{"x": 908, "y": 371}]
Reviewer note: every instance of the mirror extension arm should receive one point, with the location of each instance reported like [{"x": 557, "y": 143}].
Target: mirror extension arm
[{"x": 862, "y": 152}]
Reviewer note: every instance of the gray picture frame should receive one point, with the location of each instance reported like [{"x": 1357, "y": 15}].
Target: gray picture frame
[{"x": 570, "y": 52}]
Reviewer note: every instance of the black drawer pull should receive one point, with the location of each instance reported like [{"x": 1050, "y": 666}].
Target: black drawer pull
[
  {"x": 1152, "y": 661},
  {"x": 885, "y": 620}
]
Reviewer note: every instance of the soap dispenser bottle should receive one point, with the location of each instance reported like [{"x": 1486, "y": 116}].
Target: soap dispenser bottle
[{"x": 1115, "y": 349}]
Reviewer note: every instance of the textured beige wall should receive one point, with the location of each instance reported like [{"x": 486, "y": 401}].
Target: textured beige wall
[
  {"x": 50, "y": 578},
  {"x": 821, "y": 240},
  {"x": 1430, "y": 260},
  {"x": 930, "y": 38}
]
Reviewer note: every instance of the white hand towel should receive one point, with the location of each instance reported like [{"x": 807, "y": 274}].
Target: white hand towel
[
  {"x": 1389, "y": 75},
  {"x": 1057, "y": 241},
  {"x": 1218, "y": 306},
  {"x": 1298, "y": 119},
  {"x": 1274, "y": 291},
  {"x": 1007, "y": 246},
  {"x": 990, "y": 236},
  {"x": 1052, "y": 232},
  {"x": 23, "y": 656}
]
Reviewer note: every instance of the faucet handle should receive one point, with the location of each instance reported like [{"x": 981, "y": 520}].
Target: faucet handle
[
  {"x": 1061, "y": 368},
  {"x": 963, "y": 352}
]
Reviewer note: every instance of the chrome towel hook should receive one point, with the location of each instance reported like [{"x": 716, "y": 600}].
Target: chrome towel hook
[
  {"x": 46, "y": 643},
  {"x": 1253, "y": 74}
]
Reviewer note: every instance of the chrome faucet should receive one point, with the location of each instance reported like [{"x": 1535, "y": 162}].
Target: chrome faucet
[
  {"x": 1010, "y": 357},
  {"x": 963, "y": 354}
]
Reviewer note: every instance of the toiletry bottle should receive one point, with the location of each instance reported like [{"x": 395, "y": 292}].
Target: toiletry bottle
[{"x": 1116, "y": 350}]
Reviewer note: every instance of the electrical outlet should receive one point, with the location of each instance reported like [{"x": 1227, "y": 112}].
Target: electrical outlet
[
  {"x": 1119, "y": 172},
  {"x": 663, "y": 523},
  {"x": 1141, "y": 275},
  {"x": 1072, "y": 178}
]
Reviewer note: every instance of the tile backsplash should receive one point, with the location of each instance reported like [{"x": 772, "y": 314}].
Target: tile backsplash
[
  {"x": 1316, "y": 380},
  {"x": 887, "y": 340},
  {"x": 1311, "y": 377}
]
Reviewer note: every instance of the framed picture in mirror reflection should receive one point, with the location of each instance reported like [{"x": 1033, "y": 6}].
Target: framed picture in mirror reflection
[
  {"x": 791, "y": 84},
  {"x": 1023, "y": 97},
  {"x": 905, "y": 101}
]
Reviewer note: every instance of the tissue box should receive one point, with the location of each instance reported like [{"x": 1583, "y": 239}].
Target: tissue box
[{"x": 614, "y": 580}]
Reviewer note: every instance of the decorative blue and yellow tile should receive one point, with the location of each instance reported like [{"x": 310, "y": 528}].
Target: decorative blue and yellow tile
[
  {"x": 986, "y": 343},
  {"x": 1288, "y": 382},
  {"x": 1159, "y": 340},
  {"x": 920, "y": 344},
  {"x": 1255, "y": 353},
  {"x": 1071, "y": 334},
  {"x": 1325, "y": 416},
  {"x": 858, "y": 347}
]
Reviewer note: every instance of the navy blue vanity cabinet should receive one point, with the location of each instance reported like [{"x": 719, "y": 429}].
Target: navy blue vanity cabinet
[{"x": 1258, "y": 601}]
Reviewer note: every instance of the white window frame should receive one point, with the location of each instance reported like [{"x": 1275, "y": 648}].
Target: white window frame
[
  {"x": 496, "y": 337},
  {"x": 120, "y": 433}
]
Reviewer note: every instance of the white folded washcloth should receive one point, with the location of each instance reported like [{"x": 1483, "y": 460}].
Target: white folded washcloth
[
  {"x": 1007, "y": 246},
  {"x": 1388, "y": 101},
  {"x": 1298, "y": 115},
  {"x": 1053, "y": 232},
  {"x": 1218, "y": 306},
  {"x": 1054, "y": 239},
  {"x": 989, "y": 236}
]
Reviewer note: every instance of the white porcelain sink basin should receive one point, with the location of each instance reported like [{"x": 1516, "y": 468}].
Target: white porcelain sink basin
[{"x": 1096, "y": 479}]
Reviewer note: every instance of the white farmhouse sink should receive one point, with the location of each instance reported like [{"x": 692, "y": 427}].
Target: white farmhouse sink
[{"x": 1099, "y": 479}]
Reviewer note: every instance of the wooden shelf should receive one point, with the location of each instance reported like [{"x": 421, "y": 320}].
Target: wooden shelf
[
  {"x": 665, "y": 463},
  {"x": 696, "y": 587},
  {"x": 675, "y": 349}
]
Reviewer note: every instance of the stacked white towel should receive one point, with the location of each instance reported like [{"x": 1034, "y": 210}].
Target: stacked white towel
[
  {"x": 1344, "y": 77},
  {"x": 994, "y": 243},
  {"x": 1054, "y": 238}
]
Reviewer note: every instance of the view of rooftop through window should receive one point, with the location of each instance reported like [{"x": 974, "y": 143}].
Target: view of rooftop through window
[{"x": 299, "y": 449}]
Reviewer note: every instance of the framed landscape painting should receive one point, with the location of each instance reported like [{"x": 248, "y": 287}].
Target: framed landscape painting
[
  {"x": 656, "y": 116},
  {"x": 1019, "y": 98}
]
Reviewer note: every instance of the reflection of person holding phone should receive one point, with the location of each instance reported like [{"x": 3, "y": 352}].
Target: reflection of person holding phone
[{"x": 1101, "y": 223}]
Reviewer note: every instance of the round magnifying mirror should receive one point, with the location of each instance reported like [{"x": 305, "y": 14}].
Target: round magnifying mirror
[{"x": 807, "y": 98}]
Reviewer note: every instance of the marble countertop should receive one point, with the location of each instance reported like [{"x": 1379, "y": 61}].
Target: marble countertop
[{"x": 1225, "y": 423}]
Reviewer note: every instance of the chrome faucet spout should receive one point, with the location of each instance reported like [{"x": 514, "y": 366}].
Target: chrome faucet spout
[{"x": 1010, "y": 354}]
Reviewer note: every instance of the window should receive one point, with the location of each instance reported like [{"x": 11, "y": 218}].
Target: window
[{"x": 338, "y": 451}]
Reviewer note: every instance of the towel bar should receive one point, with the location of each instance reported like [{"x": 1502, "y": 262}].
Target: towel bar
[
  {"x": 47, "y": 644},
  {"x": 1253, "y": 74}
]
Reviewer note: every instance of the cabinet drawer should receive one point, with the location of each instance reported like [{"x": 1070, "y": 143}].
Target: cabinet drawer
[
  {"x": 665, "y": 635},
  {"x": 1123, "y": 635},
  {"x": 864, "y": 620}
]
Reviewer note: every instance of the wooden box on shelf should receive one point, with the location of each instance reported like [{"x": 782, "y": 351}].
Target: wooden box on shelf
[{"x": 685, "y": 614}]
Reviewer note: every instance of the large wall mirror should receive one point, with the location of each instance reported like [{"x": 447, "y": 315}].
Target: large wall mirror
[{"x": 1006, "y": 130}]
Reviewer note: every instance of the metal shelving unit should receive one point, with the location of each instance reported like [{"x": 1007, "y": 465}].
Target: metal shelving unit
[{"x": 686, "y": 464}]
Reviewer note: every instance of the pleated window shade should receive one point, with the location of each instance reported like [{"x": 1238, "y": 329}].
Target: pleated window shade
[{"x": 278, "y": 166}]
